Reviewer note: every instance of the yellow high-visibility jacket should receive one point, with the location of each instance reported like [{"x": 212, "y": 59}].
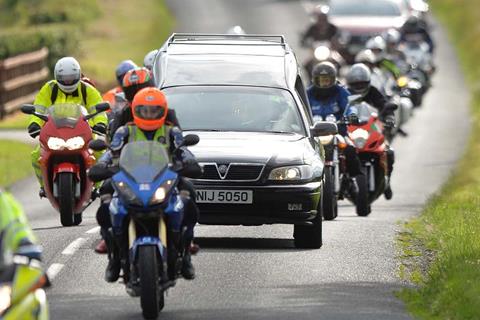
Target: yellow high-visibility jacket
[{"x": 86, "y": 95}]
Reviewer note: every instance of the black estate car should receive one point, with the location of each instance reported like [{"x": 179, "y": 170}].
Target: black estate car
[{"x": 244, "y": 97}]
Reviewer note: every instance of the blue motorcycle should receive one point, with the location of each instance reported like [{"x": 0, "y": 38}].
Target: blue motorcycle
[{"x": 147, "y": 213}]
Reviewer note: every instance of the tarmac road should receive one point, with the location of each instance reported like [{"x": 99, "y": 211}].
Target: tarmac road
[{"x": 255, "y": 272}]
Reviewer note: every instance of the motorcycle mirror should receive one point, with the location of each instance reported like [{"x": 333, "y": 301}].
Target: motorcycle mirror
[
  {"x": 97, "y": 173},
  {"x": 190, "y": 140},
  {"x": 101, "y": 107},
  {"x": 98, "y": 145},
  {"x": 323, "y": 128},
  {"x": 28, "y": 109}
]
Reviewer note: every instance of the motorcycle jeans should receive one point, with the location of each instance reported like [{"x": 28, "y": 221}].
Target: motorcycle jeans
[
  {"x": 191, "y": 212},
  {"x": 35, "y": 157},
  {"x": 390, "y": 160},
  {"x": 354, "y": 166}
]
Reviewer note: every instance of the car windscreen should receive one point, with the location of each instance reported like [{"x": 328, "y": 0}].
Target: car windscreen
[
  {"x": 364, "y": 8},
  {"x": 66, "y": 114},
  {"x": 232, "y": 108},
  {"x": 144, "y": 160}
]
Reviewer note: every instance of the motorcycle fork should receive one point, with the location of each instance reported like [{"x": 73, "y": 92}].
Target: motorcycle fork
[
  {"x": 336, "y": 169},
  {"x": 370, "y": 176}
]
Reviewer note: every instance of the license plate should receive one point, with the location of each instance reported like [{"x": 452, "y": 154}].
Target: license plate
[{"x": 225, "y": 196}]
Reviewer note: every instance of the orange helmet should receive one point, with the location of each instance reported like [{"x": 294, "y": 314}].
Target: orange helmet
[
  {"x": 135, "y": 80},
  {"x": 149, "y": 109}
]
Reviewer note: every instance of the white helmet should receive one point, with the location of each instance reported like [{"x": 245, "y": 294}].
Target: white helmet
[
  {"x": 67, "y": 72},
  {"x": 376, "y": 43},
  {"x": 365, "y": 56},
  {"x": 150, "y": 59},
  {"x": 392, "y": 36}
]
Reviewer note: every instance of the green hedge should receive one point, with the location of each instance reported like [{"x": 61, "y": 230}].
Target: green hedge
[{"x": 60, "y": 39}]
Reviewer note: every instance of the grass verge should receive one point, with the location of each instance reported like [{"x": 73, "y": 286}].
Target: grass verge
[
  {"x": 442, "y": 246},
  {"x": 15, "y": 121},
  {"x": 14, "y": 161},
  {"x": 125, "y": 30}
]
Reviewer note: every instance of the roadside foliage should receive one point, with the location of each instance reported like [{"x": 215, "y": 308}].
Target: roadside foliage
[{"x": 449, "y": 229}]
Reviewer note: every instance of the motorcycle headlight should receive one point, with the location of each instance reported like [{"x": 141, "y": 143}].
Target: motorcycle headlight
[
  {"x": 322, "y": 53},
  {"x": 162, "y": 192},
  {"x": 292, "y": 173},
  {"x": 127, "y": 193},
  {"x": 5, "y": 297},
  {"x": 326, "y": 140},
  {"x": 56, "y": 143},
  {"x": 359, "y": 138},
  {"x": 75, "y": 143}
]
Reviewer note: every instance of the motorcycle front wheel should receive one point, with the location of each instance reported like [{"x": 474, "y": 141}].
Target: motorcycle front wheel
[
  {"x": 66, "y": 198},
  {"x": 361, "y": 202},
  {"x": 151, "y": 297}
]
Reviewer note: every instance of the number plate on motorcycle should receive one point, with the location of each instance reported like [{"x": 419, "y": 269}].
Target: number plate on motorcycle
[{"x": 225, "y": 196}]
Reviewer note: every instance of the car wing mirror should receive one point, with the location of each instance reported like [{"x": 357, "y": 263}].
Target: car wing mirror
[
  {"x": 323, "y": 128},
  {"x": 190, "y": 140}
]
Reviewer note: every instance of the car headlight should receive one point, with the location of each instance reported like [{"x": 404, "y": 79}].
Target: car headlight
[
  {"x": 161, "y": 192},
  {"x": 56, "y": 143},
  {"x": 5, "y": 297},
  {"x": 302, "y": 172},
  {"x": 127, "y": 193},
  {"x": 326, "y": 140},
  {"x": 75, "y": 143},
  {"x": 359, "y": 138}
]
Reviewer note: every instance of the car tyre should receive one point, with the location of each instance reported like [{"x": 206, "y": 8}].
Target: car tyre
[
  {"x": 310, "y": 236},
  {"x": 330, "y": 206}
]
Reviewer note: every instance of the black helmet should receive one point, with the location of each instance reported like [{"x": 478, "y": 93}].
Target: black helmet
[
  {"x": 359, "y": 78},
  {"x": 324, "y": 75},
  {"x": 412, "y": 23}
]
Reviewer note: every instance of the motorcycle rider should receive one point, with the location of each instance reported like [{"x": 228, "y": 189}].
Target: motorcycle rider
[
  {"x": 150, "y": 59},
  {"x": 133, "y": 81},
  {"x": 122, "y": 68},
  {"x": 321, "y": 29},
  {"x": 359, "y": 82},
  {"x": 378, "y": 46},
  {"x": 149, "y": 110},
  {"x": 14, "y": 229},
  {"x": 67, "y": 87},
  {"x": 392, "y": 39},
  {"x": 414, "y": 30},
  {"x": 327, "y": 96}
]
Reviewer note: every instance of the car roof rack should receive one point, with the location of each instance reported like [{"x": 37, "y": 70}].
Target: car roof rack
[{"x": 194, "y": 38}]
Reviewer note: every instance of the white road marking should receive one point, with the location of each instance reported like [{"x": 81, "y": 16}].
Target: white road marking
[
  {"x": 74, "y": 246},
  {"x": 93, "y": 230},
  {"x": 53, "y": 270}
]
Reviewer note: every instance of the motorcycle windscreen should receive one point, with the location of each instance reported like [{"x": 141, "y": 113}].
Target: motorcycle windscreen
[
  {"x": 144, "y": 160},
  {"x": 66, "y": 114},
  {"x": 363, "y": 111}
]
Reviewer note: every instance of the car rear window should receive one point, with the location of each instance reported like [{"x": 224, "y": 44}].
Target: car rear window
[
  {"x": 233, "y": 108},
  {"x": 364, "y": 8}
]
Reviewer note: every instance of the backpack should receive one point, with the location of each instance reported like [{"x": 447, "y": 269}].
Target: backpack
[{"x": 83, "y": 89}]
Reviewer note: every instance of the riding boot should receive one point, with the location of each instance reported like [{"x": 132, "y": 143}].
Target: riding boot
[
  {"x": 112, "y": 273},
  {"x": 188, "y": 271}
]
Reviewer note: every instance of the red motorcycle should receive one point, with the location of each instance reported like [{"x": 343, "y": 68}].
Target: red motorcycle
[
  {"x": 366, "y": 134},
  {"x": 65, "y": 157}
]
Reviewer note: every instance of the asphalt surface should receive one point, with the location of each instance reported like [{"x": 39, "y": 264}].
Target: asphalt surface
[{"x": 255, "y": 272}]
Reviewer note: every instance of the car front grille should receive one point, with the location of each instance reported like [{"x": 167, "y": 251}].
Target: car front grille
[{"x": 234, "y": 172}]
